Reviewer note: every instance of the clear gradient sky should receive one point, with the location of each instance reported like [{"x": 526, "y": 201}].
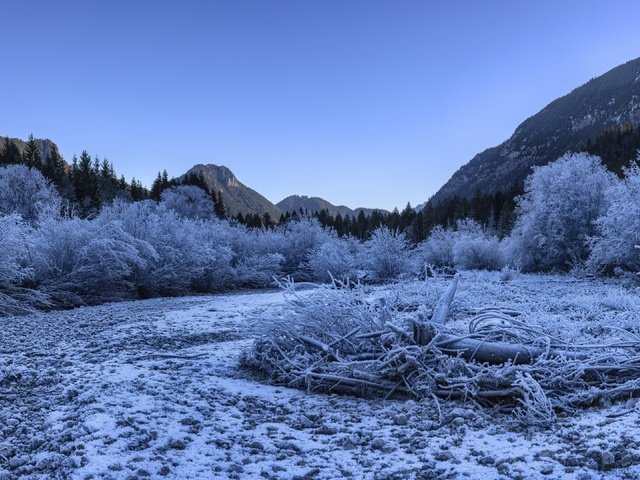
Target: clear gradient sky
[{"x": 364, "y": 103}]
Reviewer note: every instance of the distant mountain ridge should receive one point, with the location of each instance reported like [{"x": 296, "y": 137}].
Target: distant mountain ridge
[
  {"x": 236, "y": 196},
  {"x": 564, "y": 125},
  {"x": 312, "y": 204},
  {"x": 316, "y": 204},
  {"x": 239, "y": 198}
]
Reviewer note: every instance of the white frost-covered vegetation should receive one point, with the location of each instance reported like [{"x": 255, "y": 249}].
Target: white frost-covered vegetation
[
  {"x": 152, "y": 389},
  {"x": 573, "y": 214},
  {"x": 557, "y": 213},
  {"x": 467, "y": 246},
  {"x": 618, "y": 229}
]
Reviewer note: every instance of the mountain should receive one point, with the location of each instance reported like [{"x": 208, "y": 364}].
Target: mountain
[
  {"x": 45, "y": 146},
  {"x": 237, "y": 197},
  {"x": 369, "y": 211},
  {"x": 316, "y": 204},
  {"x": 564, "y": 125},
  {"x": 312, "y": 204}
]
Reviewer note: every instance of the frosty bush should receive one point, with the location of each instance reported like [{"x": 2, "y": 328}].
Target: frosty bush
[
  {"x": 257, "y": 258},
  {"x": 467, "y": 246},
  {"x": 183, "y": 249},
  {"x": 475, "y": 249},
  {"x": 14, "y": 238},
  {"x": 189, "y": 201},
  {"x": 437, "y": 250},
  {"x": 557, "y": 213},
  {"x": 335, "y": 258},
  {"x": 87, "y": 262},
  {"x": 26, "y": 192},
  {"x": 386, "y": 255},
  {"x": 15, "y": 269},
  {"x": 258, "y": 271},
  {"x": 481, "y": 253},
  {"x": 618, "y": 229},
  {"x": 300, "y": 239},
  {"x": 212, "y": 240}
]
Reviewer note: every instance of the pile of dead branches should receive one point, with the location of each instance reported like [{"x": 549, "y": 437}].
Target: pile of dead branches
[{"x": 339, "y": 339}]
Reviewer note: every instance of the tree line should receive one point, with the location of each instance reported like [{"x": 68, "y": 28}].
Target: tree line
[{"x": 89, "y": 183}]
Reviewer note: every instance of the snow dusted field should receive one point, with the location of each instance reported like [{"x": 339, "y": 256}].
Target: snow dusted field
[{"x": 153, "y": 389}]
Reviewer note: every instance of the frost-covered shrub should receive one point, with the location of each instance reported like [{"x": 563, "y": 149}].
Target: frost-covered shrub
[
  {"x": 26, "y": 192},
  {"x": 337, "y": 258},
  {"x": 618, "y": 229},
  {"x": 467, "y": 246},
  {"x": 15, "y": 268},
  {"x": 386, "y": 255},
  {"x": 217, "y": 254},
  {"x": 556, "y": 214},
  {"x": 15, "y": 239},
  {"x": 258, "y": 271},
  {"x": 81, "y": 261},
  {"x": 184, "y": 250},
  {"x": 301, "y": 237},
  {"x": 476, "y": 249},
  {"x": 257, "y": 258},
  {"x": 56, "y": 247},
  {"x": 437, "y": 250},
  {"x": 483, "y": 253},
  {"x": 189, "y": 201}
]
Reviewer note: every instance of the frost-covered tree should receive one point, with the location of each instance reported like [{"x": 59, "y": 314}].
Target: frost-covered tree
[
  {"x": 337, "y": 258},
  {"x": 437, "y": 250},
  {"x": 300, "y": 239},
  {"x": 618, "y": 229},
  {"x": 15, "y": 268},
  {"x": 257, "y": 255},
  {"x": 26, "y": 192},
  {"x": 467, "y": 246},
  {"x": 185, "y": 249},
  {"x": 386, "y": 255},
  {"x": 189, "y": 201},
  {"x": 80, "y": 261},
  {"x": 557, "y": 212},
  {"x": 14, "y": 240},
  {"x": 476, "y": 249}
]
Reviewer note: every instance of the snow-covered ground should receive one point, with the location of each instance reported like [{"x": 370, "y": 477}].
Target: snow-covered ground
[{"x": 152, "y": 389}]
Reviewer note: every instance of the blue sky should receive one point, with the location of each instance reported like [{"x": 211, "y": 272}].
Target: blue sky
[{"x": 364, "y": 103}]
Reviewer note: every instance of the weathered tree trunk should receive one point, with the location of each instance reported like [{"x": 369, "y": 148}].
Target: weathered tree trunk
[{"x": 441, "y": 310}]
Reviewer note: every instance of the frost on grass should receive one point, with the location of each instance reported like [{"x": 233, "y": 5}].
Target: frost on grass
[
  {"x": 151, "y": 389},
  {"x": 343, "y": 339}
]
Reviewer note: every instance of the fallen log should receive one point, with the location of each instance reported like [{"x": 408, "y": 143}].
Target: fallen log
[
  {"x": 490, "y": 352},
  {"x": 484, "y": 351},
  {"x": 441, "y": 310}
]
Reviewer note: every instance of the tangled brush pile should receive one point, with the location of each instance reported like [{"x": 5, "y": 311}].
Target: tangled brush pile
[{"x": 339, "y": 339}]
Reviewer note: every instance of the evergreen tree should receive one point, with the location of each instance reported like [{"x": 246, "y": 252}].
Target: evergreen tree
[
  {"x": 164, "y": 181},
  {"x": 122, "y": 183},
  {"x": 54, "y": 167},
  {"x": 31, "y": 155},
  {"x": 107, "y": 183},
  {"x": 218, "y": 205},
  {"x": 9, "y": 153},
  {"x": 156, "y": 188}
]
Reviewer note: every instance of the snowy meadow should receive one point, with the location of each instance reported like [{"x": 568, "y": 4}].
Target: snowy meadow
[
  {"x": 469, "y": 355},
  {"x": 154, "y": 389}
]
